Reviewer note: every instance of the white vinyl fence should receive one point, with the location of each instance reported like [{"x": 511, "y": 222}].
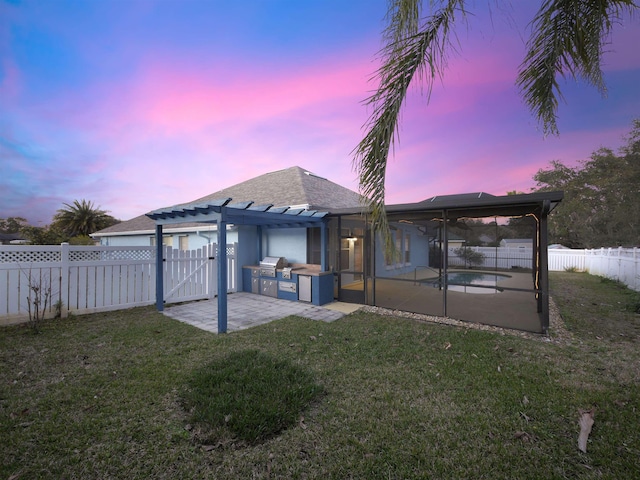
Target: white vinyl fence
[
  {"x": 495, "y": 257},
  {"x": 87, "y": 279},
  {"x": 622, "y": 264},
  {"x": 616, "y": 263}
]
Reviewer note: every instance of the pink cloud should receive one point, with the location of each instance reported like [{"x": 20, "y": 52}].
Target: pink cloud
[{"x": 166, "y": 98}]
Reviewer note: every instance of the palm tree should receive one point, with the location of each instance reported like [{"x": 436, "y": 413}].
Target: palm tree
[
  {"x": 567, "y": 39},
  {"x": 82, "y": 218}
]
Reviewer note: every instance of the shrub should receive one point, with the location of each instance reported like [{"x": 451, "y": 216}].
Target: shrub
[
  {"x": 38, "y": 297},
  {"x": 470, "y": 256}
]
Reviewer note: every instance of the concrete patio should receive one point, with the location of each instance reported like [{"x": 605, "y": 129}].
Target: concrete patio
[{"x": 245, "y": 310}]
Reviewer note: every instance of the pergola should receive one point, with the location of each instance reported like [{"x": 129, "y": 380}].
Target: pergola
[{"x": 222, "y": 212}]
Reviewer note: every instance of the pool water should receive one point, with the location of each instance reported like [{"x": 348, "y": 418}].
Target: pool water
[{"x": 474, "y": 282}]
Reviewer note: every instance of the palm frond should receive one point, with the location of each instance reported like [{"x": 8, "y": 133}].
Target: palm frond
[
  {"x": 409, "y": 51},
  {"x": 567, "y": 39}
]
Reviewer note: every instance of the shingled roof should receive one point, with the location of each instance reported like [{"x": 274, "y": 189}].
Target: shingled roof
[{"x": 294, "y": 186}]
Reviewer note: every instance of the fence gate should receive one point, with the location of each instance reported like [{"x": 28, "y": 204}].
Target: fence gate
[{"x": 193, "y": 274}]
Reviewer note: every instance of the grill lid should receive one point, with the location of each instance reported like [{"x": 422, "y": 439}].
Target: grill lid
[{"x": 274, "y": 262}]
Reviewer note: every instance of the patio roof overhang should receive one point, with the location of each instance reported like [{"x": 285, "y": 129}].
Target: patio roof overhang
[
  {"x": 466, "y": 205},
  {"x": 222, "y": 212}
]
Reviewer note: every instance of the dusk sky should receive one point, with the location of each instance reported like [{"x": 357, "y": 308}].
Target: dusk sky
[{"x": 137, "y": 105}]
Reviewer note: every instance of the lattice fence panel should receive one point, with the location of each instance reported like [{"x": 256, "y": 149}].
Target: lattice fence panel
[
  {"x": 83, "y": 256},
  {"x": 111, "y": 255},
  {"x": 29, "y": 256},
  {"x": 133, "y": 254}
]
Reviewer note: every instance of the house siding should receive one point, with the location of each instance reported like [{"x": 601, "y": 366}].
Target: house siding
[
  {"x": 290, "y": 243},
  {"x": 196, "y": 240},
  {"x": 418, "y": 252}
]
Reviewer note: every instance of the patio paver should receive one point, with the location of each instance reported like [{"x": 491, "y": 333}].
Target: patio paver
[{"x": 245, "y": 310}]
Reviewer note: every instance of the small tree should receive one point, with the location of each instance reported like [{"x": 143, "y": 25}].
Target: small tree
[
  {"x": 82, "y": 218},
  {"x": 12, "y": 224},
  {"x": 470, "y": 257},
  {"x": 38, "y": 298},
  {"x": 49, "y": 235}
]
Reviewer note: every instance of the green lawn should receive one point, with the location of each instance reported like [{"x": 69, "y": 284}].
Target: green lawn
[{"x": 108, "y": 396}]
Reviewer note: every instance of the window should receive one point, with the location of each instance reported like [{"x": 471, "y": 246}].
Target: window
[
  {"x": 314, "y": 246},
  {"x": 407, "y": 248},
  {"x": 184, "y": 242},
  {"x": 402, "y": 242},
  {"x": 167, "y": 240}
]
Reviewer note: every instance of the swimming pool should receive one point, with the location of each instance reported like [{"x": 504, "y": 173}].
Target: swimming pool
[{"x": 473, "y": 282}]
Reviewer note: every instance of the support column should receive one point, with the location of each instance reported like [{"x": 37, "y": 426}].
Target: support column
[
  {"x": 259, "y": 245},
  {"x": 544, "y": 265},
  {"x": 445, "y": 260},
  {"x": 159, "y": 269},
  {"x": 323, "y": 246},
  {"x": 222, "y": 271}
]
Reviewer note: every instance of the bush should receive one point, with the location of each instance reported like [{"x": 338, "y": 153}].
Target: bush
[{"x": 470, "y": 256}]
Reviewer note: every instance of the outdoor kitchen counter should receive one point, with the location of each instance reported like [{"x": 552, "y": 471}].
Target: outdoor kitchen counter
[
  {"x": 307, "y": 269},
  {"x": 321, "y": 283},
  {"x": 298, "y": 269}
]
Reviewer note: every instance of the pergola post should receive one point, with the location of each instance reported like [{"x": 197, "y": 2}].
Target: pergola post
[
  {"x": 323, "y": 246},
  {"x": 159, "y": 269},
  {"x": 222, "y": 272}
]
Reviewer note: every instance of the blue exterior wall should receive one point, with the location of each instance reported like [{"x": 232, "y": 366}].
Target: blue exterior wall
[
  {"x": 196, "y": 239},
  {"x": 418, "y": 253},
  {"x": 290, "y": 243},
  {"x": 247, "y": 253}
]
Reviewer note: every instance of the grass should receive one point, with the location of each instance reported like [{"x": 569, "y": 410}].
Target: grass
[
  {"x": 107, "y": 396},
  {"x": 595, "y": 306},
  {"x": 252, "y": 394}
]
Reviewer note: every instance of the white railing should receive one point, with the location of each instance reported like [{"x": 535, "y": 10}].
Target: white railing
[
  {"x": 622, "y": 264},
  {"x": 87, "y": 279}
]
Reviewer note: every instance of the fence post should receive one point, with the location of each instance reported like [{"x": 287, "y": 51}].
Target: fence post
[
  {"x": 213, "y": 270},
  {"x": 160, "y": 266},
  {"x": 64, "y": 278},
  {"x": 620, "y": 265},
  {"x": 636, "y": 274}
]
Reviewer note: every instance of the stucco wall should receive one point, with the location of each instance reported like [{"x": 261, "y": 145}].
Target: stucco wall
[
  {"x": 290, "y": 243},
  {"x": 419, "y": 254}
]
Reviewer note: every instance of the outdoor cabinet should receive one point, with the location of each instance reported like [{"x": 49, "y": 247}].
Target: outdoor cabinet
[
  {"x": 304, "y": 288},
  {"x": 269, "y": 287}
]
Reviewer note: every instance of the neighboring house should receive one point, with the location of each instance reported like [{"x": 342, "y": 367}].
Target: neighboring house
[
  {"x": 293, "y": 187},
  {"x": 455, "y": 241},
  {"x": 558, "y": 246},
  {"x": 12, "y": 239},
  {"x": 486, "y": 239},
  {"x": 519, "y": 243}
]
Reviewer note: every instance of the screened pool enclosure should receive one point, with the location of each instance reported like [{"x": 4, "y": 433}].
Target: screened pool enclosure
[{"x": 473, "y": 257}]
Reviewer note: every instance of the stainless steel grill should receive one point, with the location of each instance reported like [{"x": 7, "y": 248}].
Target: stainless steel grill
[{"x": 269, "y": 265}]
